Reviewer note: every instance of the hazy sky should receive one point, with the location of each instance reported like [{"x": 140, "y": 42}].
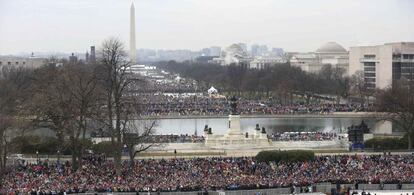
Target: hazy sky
[{"x": 295, "y": 25}]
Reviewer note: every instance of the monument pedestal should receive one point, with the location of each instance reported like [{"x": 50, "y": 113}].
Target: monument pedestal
[
  {"x": 235, "y": 137},
  {"x": 234, "y": 127}
]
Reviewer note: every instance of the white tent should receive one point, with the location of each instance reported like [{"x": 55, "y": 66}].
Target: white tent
[{"x": 212, "y": 90}]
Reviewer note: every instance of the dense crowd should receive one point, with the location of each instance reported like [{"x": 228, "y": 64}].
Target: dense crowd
[
  {"x": 164, "y": 105},
  {"x": 278, "y": 136},
  {"x": 172, "y": 138},
  {"x": 97, "y": 174},
  {"x": 285, "y": 136},
  {"x": 303, "y": 136}
]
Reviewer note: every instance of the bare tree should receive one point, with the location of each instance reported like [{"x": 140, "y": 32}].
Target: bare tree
[
  {"x": 136, "y": 137},
  {"x": 64, "y": 99},
  {"x": 113, "y": 73},
  {"x": 51, "y": 102},
  {"x": 335, "y": 81},
  {"x": 14, "y": 83},
  {"x": 358, "y": 87},
  {"x": 397, "y": 103},
  {"x": 81, "y": 84}
]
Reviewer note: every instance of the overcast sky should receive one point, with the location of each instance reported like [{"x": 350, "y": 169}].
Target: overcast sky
[{"x": 295, "y": 25}]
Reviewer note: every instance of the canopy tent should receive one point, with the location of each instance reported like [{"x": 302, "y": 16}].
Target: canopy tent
[{"x": 212, "y": 90}]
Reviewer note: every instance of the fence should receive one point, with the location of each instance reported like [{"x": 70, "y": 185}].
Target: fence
[{"x": 316, "y": 189}]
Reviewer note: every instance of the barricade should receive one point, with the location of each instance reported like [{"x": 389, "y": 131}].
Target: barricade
[
  {"x": 407, "y": 186},
  {"x": 348, "y": 185},
  {"x": 363, "y": 186},
  {"x": 320, "y": 187},
  {"x": 324, "y": 187},
  {"x": 390, "y": 187},
  {"x": 259, "y": 191}
]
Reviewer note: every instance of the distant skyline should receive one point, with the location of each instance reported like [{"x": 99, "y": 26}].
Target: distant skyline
[{"x": 295, "y": 25}]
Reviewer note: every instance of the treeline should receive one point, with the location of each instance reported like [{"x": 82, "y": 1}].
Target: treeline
[{"x": 279, "y": 82}]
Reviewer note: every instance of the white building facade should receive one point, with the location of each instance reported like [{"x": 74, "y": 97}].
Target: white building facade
[
  {"x": 266, "y": 62},
  {"x": 27, "y": 62},
  {"x": 234, "y": 54},
  {"x": 237, "y": 55},
  {"x": 382, "y": 64}
]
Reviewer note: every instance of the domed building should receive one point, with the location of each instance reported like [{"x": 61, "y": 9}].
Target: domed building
[
  {"x": 331, "y": 47},
  {"x": 330, "y": 53}
]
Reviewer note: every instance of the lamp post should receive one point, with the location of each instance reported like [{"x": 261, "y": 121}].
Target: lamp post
[{"x": 37, "y": 156}]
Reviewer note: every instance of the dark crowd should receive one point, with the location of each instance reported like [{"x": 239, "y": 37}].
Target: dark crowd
[
  {"x": 303, "y": 136},
  {"x": 97, "y": 174},
  {"x": 172, "y": 138},
  {"x": 165, "y": 105}
]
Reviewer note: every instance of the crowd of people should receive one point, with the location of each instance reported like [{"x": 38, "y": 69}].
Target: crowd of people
[
  {"x": 303, "y": 136},
  {"x": 168, "y": 105},
  {"x": 285, "y": 136},
  {"x": 172, "y": 138},
  {"x": 98, "y": 174}
]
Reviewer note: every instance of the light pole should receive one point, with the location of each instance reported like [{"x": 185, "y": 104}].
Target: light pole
[{"x": 37, "y": 156}]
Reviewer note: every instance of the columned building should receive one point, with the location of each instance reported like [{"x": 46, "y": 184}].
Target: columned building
[
  {"x": 234, "y": 54},
  {"x": 266, "y": 62},
  {"x": 382, "y": 64}
]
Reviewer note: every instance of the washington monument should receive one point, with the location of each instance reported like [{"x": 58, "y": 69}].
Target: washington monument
[{"x": 132, "y": 48}]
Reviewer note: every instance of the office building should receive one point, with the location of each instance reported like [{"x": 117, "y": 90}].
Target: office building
[{"x": 382, "y": 64}]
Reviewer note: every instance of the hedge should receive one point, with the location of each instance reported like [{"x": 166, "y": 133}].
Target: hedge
[
  {"x": 103, "y": 148},
  {"x": 285, "y": 156},
  {"x": 44, "y": 145},
  {"x": 387, "y": 143}
]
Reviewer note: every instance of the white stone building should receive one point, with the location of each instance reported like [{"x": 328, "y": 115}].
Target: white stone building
[
  {"x": 381, "y": 64},
  {"x": 264, "y": 62},
  {"x": 330, "y": 53},
  {"x": 27, "y": 62},
  {"x": 234, "y": 54}
]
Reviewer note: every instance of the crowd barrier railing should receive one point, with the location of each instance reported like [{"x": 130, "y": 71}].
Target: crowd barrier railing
[{"x": 316, "y": 188}]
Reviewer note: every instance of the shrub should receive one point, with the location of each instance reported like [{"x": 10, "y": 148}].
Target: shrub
[
  {"x": 44, "y": 145},
  {"x": 103, "y": 147},
  {"x": 387, "y": 143},
  {"x": 31, "y": 144},
  {"x": 285, "y": 156}
]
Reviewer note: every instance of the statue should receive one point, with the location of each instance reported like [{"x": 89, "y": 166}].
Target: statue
[
  {"x": 233, "y": 105},
  {"x": 263, "y": 130}
]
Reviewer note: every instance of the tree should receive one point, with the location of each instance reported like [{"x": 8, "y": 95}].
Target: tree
[
  {"x": 397, "y": 103},
  {"x": 80, "y": 82},
  {"x": 335, "y": 81},
  {"x": 14, "y": 83},
  {"x": 136, "y": 137},
  {"x": 64, "y": 98},
  {"x": 358, "y": 87},
  {"x": 51, "y": 102},
  {"x": 113, "y": 75},
  {"x": 235, "y": 77}
]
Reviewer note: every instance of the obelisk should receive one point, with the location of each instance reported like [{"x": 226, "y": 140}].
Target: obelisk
[{"x": 132, "y": 48}]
